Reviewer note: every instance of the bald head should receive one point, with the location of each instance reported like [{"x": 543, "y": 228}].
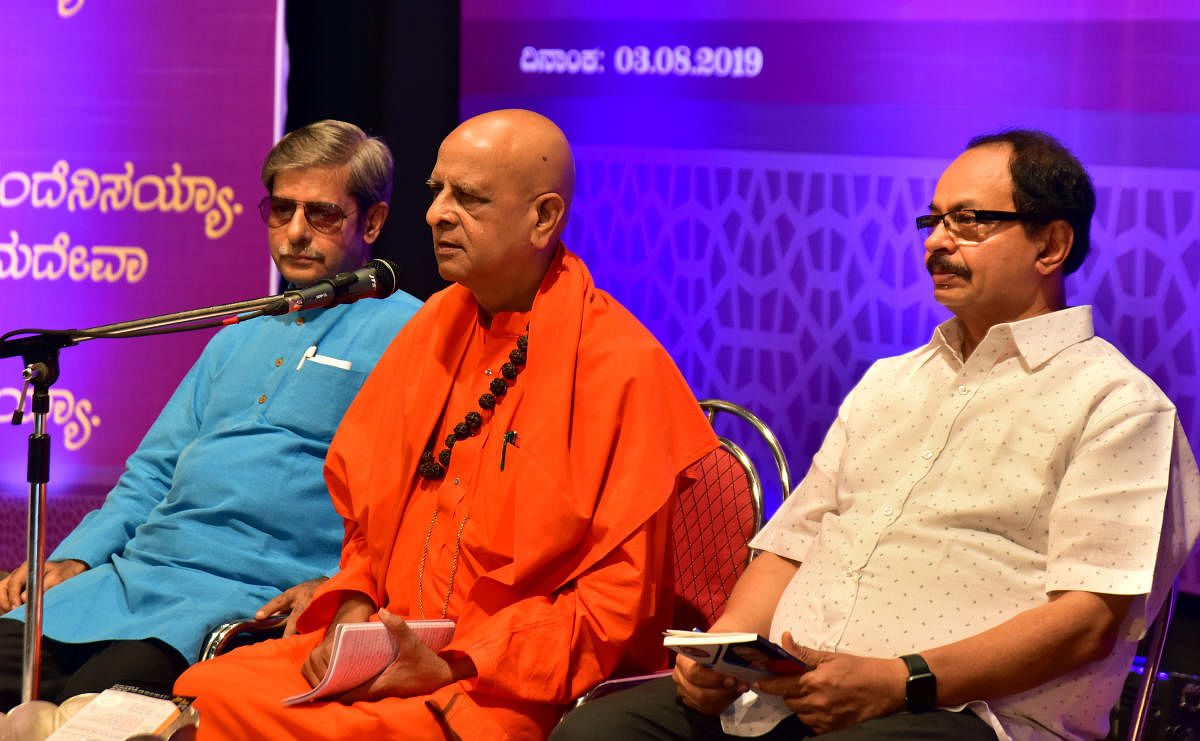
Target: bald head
[
  {"x": 502, "y": 188},
  {"x": 530, "y": 147}
]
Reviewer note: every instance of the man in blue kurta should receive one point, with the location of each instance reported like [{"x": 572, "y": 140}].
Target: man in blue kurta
[{"x": 222, "y": 506}]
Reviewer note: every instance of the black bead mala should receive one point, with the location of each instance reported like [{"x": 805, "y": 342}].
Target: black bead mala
[{"x": 435, "y": 468}]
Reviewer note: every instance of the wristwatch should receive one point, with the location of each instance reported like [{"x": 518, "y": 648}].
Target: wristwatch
[{"x": 920, "y": 692}]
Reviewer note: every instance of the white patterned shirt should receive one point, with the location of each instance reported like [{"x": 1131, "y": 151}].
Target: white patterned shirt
[{"x": 948, "y": 496}]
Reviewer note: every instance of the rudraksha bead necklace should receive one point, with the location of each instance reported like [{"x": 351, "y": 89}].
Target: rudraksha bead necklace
[{"x": 432, "y": 468}]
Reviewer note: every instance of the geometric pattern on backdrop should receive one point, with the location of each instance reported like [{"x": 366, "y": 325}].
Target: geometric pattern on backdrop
[{"x": 775, "y": 279}]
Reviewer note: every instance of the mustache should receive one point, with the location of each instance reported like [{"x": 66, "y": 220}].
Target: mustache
[
  {"x": 293, "y": 251},
  {"x": 940, "y": 262}
]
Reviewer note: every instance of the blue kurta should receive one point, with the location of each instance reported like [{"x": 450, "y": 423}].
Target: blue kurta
[{"x": 223, "y": 504}]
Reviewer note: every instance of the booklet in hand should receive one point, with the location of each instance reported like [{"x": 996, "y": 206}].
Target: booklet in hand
[
  {"x": 363, "y": 650},
  {"x": 747, "y": 656}
]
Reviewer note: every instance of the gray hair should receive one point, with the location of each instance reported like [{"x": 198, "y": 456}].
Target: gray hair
[{"x": 332, "y": 143}]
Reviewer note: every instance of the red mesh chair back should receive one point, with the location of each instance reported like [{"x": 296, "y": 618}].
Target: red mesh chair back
[
  {"x": 711, "y": 527},
  {"x": 715, "y": 519}
]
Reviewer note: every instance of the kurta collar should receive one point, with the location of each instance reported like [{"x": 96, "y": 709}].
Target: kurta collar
[{"x": 507, "y": 324}]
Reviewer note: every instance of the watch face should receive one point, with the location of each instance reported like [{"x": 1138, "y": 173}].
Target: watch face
[{"x": 921, "y": 692}]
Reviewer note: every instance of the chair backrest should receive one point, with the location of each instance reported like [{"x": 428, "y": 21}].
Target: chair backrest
[
  {"x": 717, "y": 517},
  {"x": 711, "y": 529},
  {"x": 1156, "y": 642}
]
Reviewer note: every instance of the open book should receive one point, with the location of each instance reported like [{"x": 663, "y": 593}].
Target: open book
[
  {"x": 747, "y": 656},
  {"x": 121, "y": 712},
  {"x": 363, "y": 650}
]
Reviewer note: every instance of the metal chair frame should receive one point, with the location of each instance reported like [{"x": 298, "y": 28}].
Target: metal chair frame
[
  {"x": 1139, "y": 716},
  {"x": 220, "y": 638},
  {"x": 712, "y": 407}
]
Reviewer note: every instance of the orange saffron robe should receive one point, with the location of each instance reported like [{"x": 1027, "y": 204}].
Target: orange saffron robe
[{"x": 560, "y": 559}]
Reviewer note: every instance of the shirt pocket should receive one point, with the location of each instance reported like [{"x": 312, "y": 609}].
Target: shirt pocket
[
  {"x": 311, "y": 401},
  {"x": 1024, "y": 462},
  {"x": 1002, "y": 484}
]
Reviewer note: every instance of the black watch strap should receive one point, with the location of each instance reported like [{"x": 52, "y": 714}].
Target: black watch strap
[{"x": 920, "y": 692}]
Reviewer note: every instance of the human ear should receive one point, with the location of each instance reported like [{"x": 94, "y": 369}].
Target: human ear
[
  {"x": 1059, "y": 238},
  {"x": 376, "y": 215},
  {"x": 551, "y": 212}
]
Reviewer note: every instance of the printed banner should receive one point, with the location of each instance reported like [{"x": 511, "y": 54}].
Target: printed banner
[{"x": 131, "y": 140}]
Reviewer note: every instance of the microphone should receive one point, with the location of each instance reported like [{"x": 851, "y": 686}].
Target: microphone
[{"x": 376, "y": 279}]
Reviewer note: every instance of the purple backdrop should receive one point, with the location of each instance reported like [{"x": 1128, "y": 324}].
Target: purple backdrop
[
  {"x": 755, "y": 211},
  {"x": 131, "y": 142}
]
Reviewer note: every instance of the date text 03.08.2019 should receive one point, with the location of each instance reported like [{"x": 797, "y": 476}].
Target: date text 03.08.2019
[{"x": 674, "y": 61}]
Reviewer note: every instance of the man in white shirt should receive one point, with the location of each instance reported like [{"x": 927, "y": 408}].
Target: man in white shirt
[{"x": 991, "y": 521}]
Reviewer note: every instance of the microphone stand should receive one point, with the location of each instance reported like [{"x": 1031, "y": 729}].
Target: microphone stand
[{"x": 40, "y": 352}]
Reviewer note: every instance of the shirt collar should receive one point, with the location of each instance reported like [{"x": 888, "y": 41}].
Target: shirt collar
[{"x": 1036, "y": 340}]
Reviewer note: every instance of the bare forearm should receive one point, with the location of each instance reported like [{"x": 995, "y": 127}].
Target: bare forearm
[
  {"x": 356, "y": 607},
  {"x": 1029, "y": 649},
  {"x": 750, "y": 608},
  {"x": 752, "y": 603}
]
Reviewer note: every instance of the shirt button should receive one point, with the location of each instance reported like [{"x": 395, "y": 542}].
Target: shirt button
[
  {"x": 962, "y": 390},
  {"x": 278, "y": 362},
  {"x": 456, "y": 480},
  {"x": 887, "y": 511},
  {"x": 927, "y": 454},
  {"x": 262, "y": 398},
  {"x": 487, "y": 372}
]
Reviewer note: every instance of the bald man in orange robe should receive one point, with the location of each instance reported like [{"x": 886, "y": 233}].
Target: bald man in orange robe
[{"x": 540, "y": 525}]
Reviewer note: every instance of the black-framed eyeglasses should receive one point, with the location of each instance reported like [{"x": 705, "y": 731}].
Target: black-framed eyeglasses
[
  {"x": 967, "y": 223},
  {"x": 326, "y": 218}
]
